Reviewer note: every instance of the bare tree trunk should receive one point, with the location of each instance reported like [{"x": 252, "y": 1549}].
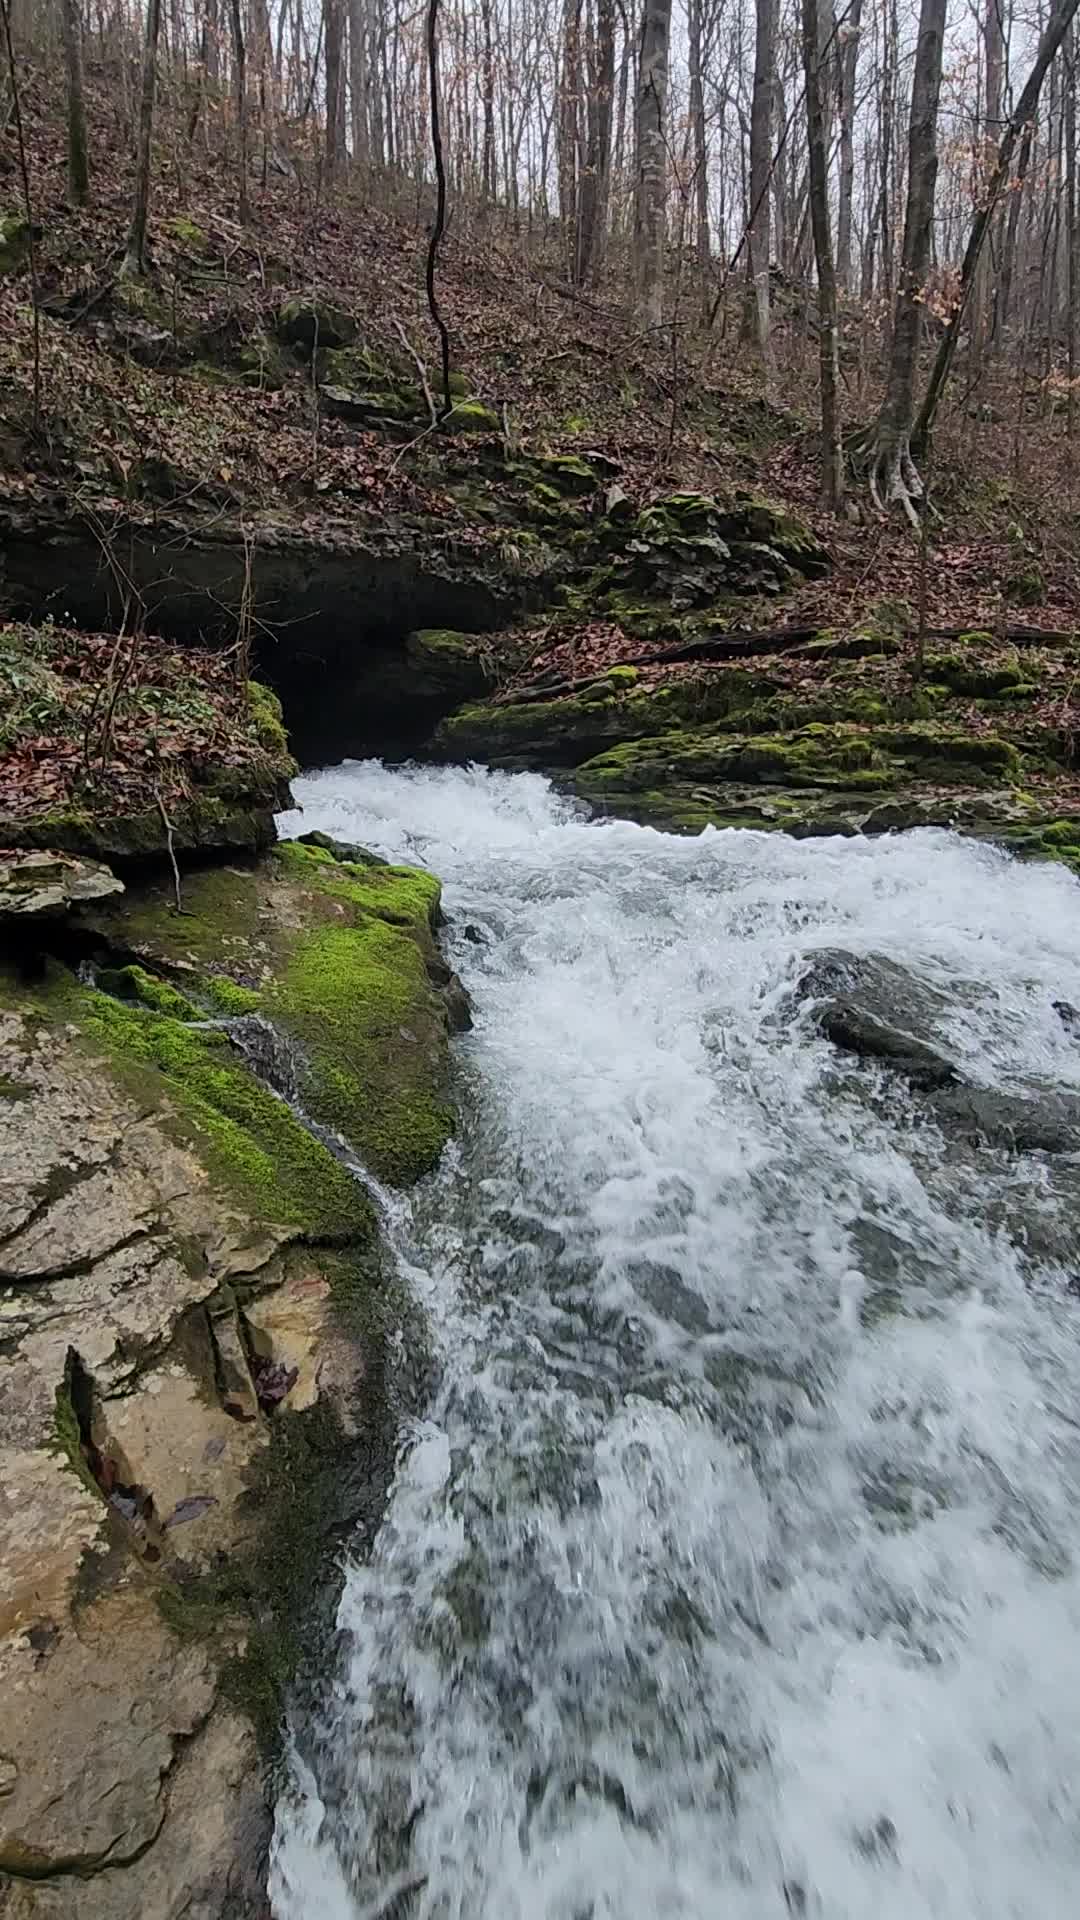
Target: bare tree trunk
[
  {"x": 333, "y": 15},
  {"x": 78, "y": 160},
  {"x": 993, "y": 34},
  {"x": 596, "y": 175},
  {"x": 135, "y": 254},
  {"x": 1053, "y": 35},
  {"x": 566, "y": 134},
  {"x": 488, "y": 82},
  {"x": 240, "y": 86},
  {"x": 700, "y": 147},
  {"x": 1003, "y": 297},
  {"x": 760, "y": 167},
  {"x": 893, "y": 474},
  {"x": 849, "y": 60},
  {"x": 815, "y": 36},
  {"x": 358, "y": 82},
  {"x": 651, "y": 200},
  {"x": 1072, "y": 217}
]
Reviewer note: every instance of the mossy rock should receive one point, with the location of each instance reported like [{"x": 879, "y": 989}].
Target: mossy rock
[
  {"x": 450, "y": 663},
  {"x": 612, "y": 708},
  {"x": 340, "y": 956},
  {"x": 567, "y": 475},
  {"x": 977, "y": 679},
  {"x": 842, "y": 759},
  {"x": 312, "y": 323},
  {"x": 470, "y": 416},
  {"x": 251, "y": 1143},
  {"x": 15, "y": 238}
]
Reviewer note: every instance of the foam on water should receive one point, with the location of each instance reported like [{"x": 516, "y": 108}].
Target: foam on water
[{"x": 733, "y": 1569}]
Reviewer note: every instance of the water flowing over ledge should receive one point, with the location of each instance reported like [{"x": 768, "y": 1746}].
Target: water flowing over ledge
[{"x": 733, "y": 1565}]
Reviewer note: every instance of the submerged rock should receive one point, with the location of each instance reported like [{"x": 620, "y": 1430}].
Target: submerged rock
[{"x": 867, "y": 1005}]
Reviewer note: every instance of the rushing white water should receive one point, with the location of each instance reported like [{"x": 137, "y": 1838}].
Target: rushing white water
[{"x": 733, "y": 1570}]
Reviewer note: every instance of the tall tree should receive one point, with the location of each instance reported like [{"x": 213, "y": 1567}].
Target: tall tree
[
  {"x": 358, "y": 80},
  {"x": 815, "y": 42},
  {"x": 334, "y": 37},
  {"x": 651, "y": 197},
  {"x": 893, "y": 474},
  {"x": 849, "y": 35},
  {"x": 1053, "y": 34},
  {"x": 135, "y": 253},
  {"x": 240, "y": 88},
  {"x": 567, "y": 130},
  {"x": 695, "y": 47},
  {"x": 757, "y": 229},
  {"x": 78, "y": 156},
  {"x": 596, "y": 174}
]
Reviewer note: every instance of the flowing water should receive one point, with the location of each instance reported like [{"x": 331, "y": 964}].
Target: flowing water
[{"x": 733, "y": 1570}]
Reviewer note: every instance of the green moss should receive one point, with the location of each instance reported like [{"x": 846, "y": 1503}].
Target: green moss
[
  {"x": 227, "y": 997},
  {"x": 623, "y": 678},
  {"x": 359, "y": 999},
  {"x": 973, "y": 678},
  {"x": 14, "y": 243},
  {"x": 67, "y": 1433},
  {"x": 250, "y": 1142},
  {"x": 313, "y": 321},
  {"x": 269, "y": 722},
  {"x": 567, "y": 475},
  {"x": 134, "y": 983},
  {"x": 470, "y": 416},
  {"x": 189, "y": 233}
]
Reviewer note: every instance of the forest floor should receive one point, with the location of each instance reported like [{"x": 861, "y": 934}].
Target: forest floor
[{"x": 176, "y": 397}]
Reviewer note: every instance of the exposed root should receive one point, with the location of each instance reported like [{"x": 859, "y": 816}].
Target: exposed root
[{"x": 895, "y": 481}]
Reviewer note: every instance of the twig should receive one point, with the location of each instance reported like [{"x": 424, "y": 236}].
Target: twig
[
  {"x": 421, "y": 371},
  {"x": 439, "y": 421},
  {"x": 168, "y": 825}
]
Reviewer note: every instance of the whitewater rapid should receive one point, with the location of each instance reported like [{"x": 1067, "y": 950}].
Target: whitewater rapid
[{"x": 732, "y": 1570}]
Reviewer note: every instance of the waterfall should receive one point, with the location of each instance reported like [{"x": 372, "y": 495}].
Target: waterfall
[{"x": 731, "y": 1571}]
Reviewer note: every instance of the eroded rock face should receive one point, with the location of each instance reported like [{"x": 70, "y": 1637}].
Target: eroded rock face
[
  {"x": 179, "y": 1258},
  {"x": 115, "y": 1246},
  {"x": 36, "y": 885}
]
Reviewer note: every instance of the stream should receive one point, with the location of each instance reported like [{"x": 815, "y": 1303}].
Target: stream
[{"x": 733, "y": 1570}]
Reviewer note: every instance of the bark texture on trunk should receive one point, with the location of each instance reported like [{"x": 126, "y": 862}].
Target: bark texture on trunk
[
  {"x": 135, "y": 254},
  {"x": 78, "y": 153},
  {"x": 849, "y": 61},
  {"x": 758, "y": 227},
  {"x": 596, "y": 176},
  {"x": 651, "y": 199},
  {"x": 815, "y": 37},
  {"x": 893, "y": 474}
]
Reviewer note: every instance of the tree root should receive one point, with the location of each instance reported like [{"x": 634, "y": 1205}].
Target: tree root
[{"x": 895, "y": 480}]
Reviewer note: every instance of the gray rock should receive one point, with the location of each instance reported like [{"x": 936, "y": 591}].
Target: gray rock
[
  {"x": 871, "y": 1007},
  {"x": 43, "y": 885}
]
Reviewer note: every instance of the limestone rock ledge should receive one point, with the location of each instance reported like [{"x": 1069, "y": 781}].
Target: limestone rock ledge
[{"x": 193, "y": 1398}]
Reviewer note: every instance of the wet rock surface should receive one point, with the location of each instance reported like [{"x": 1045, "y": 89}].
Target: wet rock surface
[{"x": 870, "y": 1007}]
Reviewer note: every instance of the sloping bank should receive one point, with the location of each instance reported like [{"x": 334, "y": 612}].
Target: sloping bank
[{"x": 197, "y": 1401}]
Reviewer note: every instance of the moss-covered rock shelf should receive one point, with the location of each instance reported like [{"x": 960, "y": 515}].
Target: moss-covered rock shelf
[{"x": 838, "y": 731}]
